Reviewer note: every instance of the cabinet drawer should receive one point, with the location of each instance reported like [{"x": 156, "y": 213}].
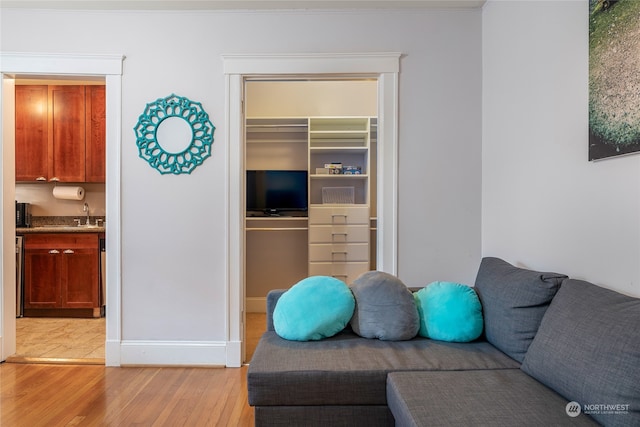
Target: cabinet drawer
[
  {"x": 339, "y": 234},
  {"x": 339, "y": 252},
  {"x": 345, "y": 271},
  {"x": 61, "y": 241},
  {"x": 337, "y": 215}
]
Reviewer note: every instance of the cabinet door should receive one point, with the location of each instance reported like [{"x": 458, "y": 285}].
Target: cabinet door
[
  {"x": 67, "y": 133},
  {"x": 79, "y": 276},
  {"x": 31, "y": 133},
  {"x": 41, "y": 278},
  {"x": 95, "y": 109}
]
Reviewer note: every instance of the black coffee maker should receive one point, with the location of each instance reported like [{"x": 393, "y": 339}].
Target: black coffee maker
[{"x": 23, "y": 214}]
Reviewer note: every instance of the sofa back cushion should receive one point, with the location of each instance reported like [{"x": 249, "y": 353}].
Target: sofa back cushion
[
  {"x": 588, "y": 350},
  {"x": 514, "y": 301}
]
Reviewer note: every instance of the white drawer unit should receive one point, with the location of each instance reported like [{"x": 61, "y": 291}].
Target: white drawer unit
[
  {"x": 345, "y": 271},
  {"x": 339, "y": 241}
]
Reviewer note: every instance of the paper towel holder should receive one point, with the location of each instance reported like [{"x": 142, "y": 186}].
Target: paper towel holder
[
  {"x": 68, "y": 192},
  {"x": 162, "y": 111}
]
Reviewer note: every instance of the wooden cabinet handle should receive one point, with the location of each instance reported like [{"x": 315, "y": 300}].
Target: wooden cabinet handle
[
  {"x": 54, "y": 251},
  {"x": 68, "y": 251},
  {"x": 54, "y": 179},
  {"x": 41, "y": 178}
]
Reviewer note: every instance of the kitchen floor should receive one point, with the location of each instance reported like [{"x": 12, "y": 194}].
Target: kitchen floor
[{"x": 57, "y": 340}]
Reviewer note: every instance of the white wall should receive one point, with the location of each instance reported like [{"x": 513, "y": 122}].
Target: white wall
[
  {"x": 544, "y": 206},
  {"x": 173, "y": 232},
  {"x": 311, "y": 98}
]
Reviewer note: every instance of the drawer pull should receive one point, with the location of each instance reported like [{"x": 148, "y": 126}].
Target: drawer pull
[
  {"x": 338, "y": 276},
  {"x": 339, "y": 237},
  {"x": 68, "y": 251},
  {"x": 334, "y": 216},
  {"x": 338, "y": 252},
  {"x": 41, "y": 178},
  {"x": 54, "y": 251}
]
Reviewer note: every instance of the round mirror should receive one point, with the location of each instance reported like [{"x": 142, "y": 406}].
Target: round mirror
[{"x": 174, "y": 135}]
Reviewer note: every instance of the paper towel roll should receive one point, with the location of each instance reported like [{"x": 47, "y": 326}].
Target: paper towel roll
[{"x": 68, "y": 193}]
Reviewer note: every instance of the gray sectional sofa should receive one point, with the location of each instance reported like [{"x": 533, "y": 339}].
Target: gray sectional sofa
[{"x": 555, "y": 351}]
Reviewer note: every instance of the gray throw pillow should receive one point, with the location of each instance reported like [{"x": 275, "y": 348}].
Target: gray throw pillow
[
  {"x": 588, "y": 350},
  {"x": 385, "y": 308},
  {"x": 513, "y": 303}
]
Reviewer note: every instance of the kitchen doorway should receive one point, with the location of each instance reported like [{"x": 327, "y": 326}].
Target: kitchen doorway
[
  {"x": 58, "y": 338},
  {"x": 109, "y": 68}
]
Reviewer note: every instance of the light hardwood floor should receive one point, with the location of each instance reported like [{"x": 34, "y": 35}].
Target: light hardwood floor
[
  {"x": 74, "y": 394},
  {"x": 35, "y": 395}
]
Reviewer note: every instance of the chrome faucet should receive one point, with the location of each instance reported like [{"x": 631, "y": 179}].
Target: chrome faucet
[{"x": 85, "y": 208}]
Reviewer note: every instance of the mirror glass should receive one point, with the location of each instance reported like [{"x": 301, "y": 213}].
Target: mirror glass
[{"x": 174, "y": 135}]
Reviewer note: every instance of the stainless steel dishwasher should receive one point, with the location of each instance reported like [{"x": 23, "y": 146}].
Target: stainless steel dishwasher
[
  {"x": 19, "y": 277},
  {"x": 103, "y": 277}
]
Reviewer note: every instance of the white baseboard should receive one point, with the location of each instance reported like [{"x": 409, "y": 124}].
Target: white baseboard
[
  {"x": 255, "y": 304},
  {"x": 174, "y": 353}
]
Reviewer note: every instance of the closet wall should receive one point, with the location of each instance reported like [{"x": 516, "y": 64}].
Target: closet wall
[{"x": 276, "y": 249}]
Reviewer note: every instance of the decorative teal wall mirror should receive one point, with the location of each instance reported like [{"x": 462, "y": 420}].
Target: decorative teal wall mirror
[{"x": 174, "y": 135}]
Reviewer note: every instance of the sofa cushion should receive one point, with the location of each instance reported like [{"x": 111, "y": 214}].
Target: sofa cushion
[
  {"x": 588, "y": 350},
  {"x": 314, "y": 308},
  {"x": 347, "y": 369},
  {"x": 513, "y": 303},
  {"x": 384, "y": 308},
  {"x": 506, "y": 397},
  {"x": 449, "y": 312}
]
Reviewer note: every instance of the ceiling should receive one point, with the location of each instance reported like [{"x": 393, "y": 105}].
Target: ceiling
[{"x": 238, "y": 4}]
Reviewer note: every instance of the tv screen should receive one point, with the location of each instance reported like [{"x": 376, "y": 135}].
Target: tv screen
[{"x": 275, "y": 191}]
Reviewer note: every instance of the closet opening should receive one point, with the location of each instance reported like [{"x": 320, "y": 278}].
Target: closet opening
[{"x": 310, "y": 185}]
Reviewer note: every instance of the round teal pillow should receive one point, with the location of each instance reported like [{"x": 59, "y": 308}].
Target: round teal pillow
[
  {"x": 314, "y": 308},
  {"x": 449, "y": 312}
]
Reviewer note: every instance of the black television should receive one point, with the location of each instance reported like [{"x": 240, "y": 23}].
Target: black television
[{"x": 277, "y": 192}]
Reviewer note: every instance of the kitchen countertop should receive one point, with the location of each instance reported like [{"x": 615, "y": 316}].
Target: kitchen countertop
[
  {"x": 59, "y": 229},
  {"x": 62, "y": 224}
]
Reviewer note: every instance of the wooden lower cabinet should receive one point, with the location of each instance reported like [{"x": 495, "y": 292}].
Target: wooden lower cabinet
[{"x": 61, "y": 275}]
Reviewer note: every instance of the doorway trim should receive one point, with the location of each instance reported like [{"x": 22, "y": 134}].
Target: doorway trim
[
  {"x": 385, "y": 67},
  {"x": 53, "y": 64}
]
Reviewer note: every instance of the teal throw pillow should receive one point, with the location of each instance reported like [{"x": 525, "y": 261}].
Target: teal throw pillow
[
  {"x": 314, "y": 308},
  {"x": 449, "y": 312}
]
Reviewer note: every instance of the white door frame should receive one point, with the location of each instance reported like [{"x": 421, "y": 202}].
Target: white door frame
[
  {"x": 383, "y": 66},
  {"x": 45, "y": 64}
]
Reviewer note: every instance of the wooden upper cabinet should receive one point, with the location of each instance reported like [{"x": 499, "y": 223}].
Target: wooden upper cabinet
[
  {"x": 60, "y": 133},
  {"x": 31, "y": 133},
  {"x": 67, "y": 133},
  {"x": 95, "y": 108}
]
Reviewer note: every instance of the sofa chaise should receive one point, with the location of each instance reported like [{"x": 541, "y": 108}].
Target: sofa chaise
[{"x": 554, "y": 351}]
